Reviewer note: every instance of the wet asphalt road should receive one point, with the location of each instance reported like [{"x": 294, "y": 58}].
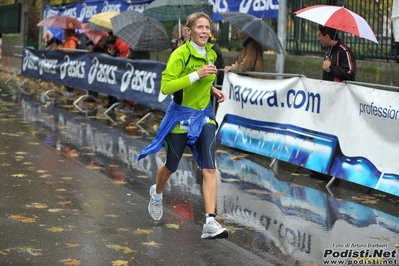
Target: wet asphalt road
[{"x": 73, "y": 194}]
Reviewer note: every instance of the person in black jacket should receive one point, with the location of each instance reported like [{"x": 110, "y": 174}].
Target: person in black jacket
[{"x": 339, "y": 62}]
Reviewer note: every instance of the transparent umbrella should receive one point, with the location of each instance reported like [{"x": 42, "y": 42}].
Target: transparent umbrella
[
  {"x": 167, "y": 10},
  {"x": 255, "y": 28}
]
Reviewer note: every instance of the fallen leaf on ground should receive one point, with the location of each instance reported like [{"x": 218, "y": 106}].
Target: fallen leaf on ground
[
  {"x": 30, "y": 250},
  {"x": 232, "y": 230},
  {"x": 73, "y": 153},
  {"x": 64, "y": 202},
  {"x": 54, "y": 210},
  {"x": 74, "y": 245},
  {"x": 21, "y": 218},
  {"x": 19, "y": 175},
  {"x": 68, "y": 261},
  {"x": 143, "y": 231},
  {"x": 34, "y": 252},
  {"x": 10, "y": 134},
  {"x": 55, "y": 229},
  {"x": 370, "y": 201},
  {"x": 121, "y": 262},
  {"x": 41, "y": 171},
  {"x": 125, "y": 250},
  {"x": 142, "y": 176},
  {"x": 112, "y": 215},
  {"x": 173, "y": 226},
  {"x": 37, "y": 205},
  {"x": 94, "y": 167},
  {"x": 124, "y": 229},
  {"x": 152, "y": 244}
]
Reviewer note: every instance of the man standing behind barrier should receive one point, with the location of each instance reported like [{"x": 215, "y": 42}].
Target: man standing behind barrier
[{"x": 339, "y": 62}]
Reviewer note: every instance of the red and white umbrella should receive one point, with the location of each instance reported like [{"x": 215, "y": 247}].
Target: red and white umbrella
[
  {"x": 94, "y": 35},
  {"x": 339, "y": 18},
  {"x": 63, "y": 22}
]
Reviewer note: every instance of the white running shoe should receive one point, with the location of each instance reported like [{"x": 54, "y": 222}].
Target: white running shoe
[
  {"x": 213, "y": 229},
  {"x": 155, "y": 207}
]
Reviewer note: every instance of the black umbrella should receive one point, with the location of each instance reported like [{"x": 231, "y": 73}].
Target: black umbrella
[
  {"x": 140, "y": 32},
  {"x": 255, "y": 28}
]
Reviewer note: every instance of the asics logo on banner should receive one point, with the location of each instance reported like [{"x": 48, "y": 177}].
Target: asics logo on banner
[
  {"x": 102, "y": 72},
  {"x": 72, "y": 68},
  {"x": 51, "y": 13},
  {"x": 30, "y": 61},
  {"x": 111, "y": 7},
  {"x": 219, "y": 6},
  {"x": 47, "y": 66},
  {"x": 258, "y": 5},
  {"x": 138, "y": 7},
  {"x": 87, "y": 11},
  {"x": 138, "y": 80},
  {"x": 72, "y": 12}
]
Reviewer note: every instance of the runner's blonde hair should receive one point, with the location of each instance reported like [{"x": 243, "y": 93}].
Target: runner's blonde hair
[{"x": 192, "y": 19}]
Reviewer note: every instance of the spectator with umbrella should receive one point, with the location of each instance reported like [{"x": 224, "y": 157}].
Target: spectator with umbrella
[
  {"x": 189, "y": 120},
  {"x": 117, "y": 48},
  {"x": 339, "y": 61},
  {"x": 116, "y": 45},
  {"x": 250, "y": 57},
  {"x": 256, "y": 35}
]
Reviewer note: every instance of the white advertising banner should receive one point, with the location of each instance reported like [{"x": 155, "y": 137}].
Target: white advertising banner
[{"x": 339, "y": 129}]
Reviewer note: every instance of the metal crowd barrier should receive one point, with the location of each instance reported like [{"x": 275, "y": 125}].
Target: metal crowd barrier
[{"x": 17, "y": 53}]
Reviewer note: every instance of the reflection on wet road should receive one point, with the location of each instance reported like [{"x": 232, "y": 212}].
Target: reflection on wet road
[{"x": 279, "y": 214}]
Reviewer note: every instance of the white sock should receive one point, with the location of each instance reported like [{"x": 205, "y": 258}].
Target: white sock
[{"x": 157, "y": 196}]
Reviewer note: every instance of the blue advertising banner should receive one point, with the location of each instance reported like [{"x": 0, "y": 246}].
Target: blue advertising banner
[
  {"x": 295, "y": 120},
  {"x": 85, "y": 9},
  {"x": 134, "y": 80}
]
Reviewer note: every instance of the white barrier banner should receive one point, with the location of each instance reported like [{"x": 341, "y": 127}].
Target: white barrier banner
[{"x": 339, "y": 129}]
